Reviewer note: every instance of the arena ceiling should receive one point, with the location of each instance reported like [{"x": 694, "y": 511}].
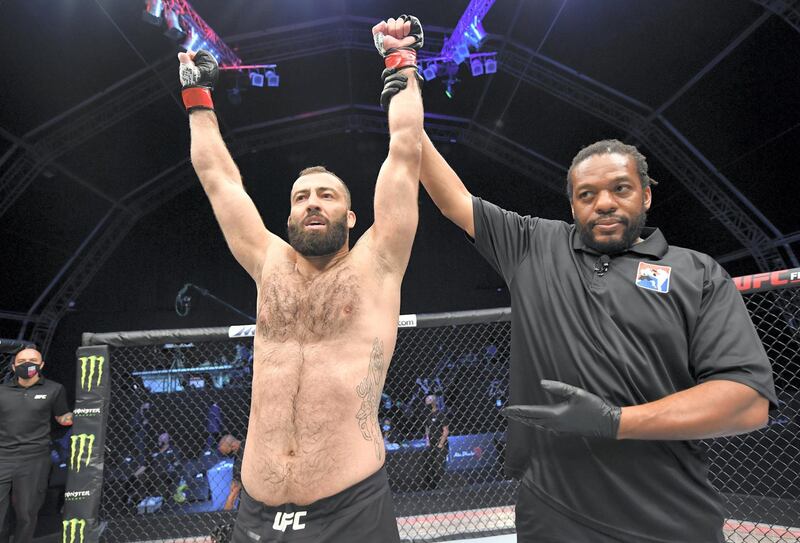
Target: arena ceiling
[{"x": 96, "y": 189}]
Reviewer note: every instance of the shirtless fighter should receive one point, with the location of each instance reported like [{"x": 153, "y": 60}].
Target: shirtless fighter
[{"x": 327, "y": 317}]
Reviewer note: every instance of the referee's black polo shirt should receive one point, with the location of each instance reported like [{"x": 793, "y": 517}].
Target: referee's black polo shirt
[
  {"x": 656, "y": 320},
  {"x": 26, "y": 415}
]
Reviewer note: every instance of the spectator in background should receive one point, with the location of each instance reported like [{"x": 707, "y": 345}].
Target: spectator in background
[
  {"x": 142, "y": 432},
  {"x": 437, "y": 428},
  {"x": 215, "y": 424}
]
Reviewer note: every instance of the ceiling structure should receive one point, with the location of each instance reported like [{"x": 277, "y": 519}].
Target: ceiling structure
[{"x": 93, "y": 138}]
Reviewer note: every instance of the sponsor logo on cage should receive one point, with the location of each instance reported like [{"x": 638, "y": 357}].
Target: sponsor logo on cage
[
  {"x": 767, "y": 280},
  {"x": 76, "y": 495},
  {"x": 286, "y": 520},
  {"x": 80, "y": 450},
  {"x": 73, "y": 530},
  {"x": 244, "y": 330},
  {"x": 475, "y": 452},
  {"x": 407, "y": 321},
  {"x": 91, "y": 371},
  {"x": 86, "y": 412},
  {"x": 653, "y": 277},
  {"x": 249, "y": 330}
]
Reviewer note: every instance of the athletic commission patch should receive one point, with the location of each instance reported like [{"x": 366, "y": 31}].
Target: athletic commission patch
[{"x": 653, "y": 277}]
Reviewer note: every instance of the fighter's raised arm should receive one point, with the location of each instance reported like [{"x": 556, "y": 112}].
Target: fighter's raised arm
[
  {"x": 238, "y": 217},
  {"x": 397, "y": 187}
]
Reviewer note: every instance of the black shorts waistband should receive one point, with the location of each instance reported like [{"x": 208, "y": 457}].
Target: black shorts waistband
[{"x": 356, "y": 496}]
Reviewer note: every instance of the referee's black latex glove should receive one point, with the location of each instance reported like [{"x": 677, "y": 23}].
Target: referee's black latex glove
[{"x": 580, "y": 413}]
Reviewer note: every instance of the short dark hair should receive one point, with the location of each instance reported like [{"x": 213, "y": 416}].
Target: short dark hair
[
  {"x": 323, "y": 169},
  {"x": 607, "y": 147}
]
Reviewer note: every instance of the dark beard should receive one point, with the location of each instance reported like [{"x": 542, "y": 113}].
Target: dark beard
[
  {"x": 310, "y": 243},
  {"x": 631, "y": 233}
]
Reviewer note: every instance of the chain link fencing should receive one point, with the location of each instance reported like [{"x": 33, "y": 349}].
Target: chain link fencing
[{"x": 176, "y": 394}]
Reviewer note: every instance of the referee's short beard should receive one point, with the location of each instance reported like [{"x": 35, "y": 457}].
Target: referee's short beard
[{"x": 633, "y": 228}]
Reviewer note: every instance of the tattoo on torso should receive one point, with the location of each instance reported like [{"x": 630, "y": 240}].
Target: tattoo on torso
[{"x": 369, "y": 391}]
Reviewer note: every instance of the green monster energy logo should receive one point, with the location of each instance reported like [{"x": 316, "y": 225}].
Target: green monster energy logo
[
  {"x": 79, "y": 444},
  {"x": 92, "y": 363},
  {"x": 73, "y": 530}
]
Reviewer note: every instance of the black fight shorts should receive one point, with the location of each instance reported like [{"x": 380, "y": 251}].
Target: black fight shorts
[{"x": 363, "y": 513}]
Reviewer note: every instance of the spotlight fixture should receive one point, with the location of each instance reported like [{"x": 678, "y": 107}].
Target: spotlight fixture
[
  {"x": 430, "y": 72},
  {"x": 491, "y": 65},
  {"x": 476, "y": 66},
  {"x": 152, "y": 12},
  {"x": 273, "y": 79},
  {"x": 174, "y": 30},
  {"x": 461, "y": 53},
  {"x": 256, "y": 79},
  {"x": 192, "y": 37}
]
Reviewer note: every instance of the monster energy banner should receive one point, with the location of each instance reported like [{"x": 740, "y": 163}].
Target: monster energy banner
[{"x": 85, "y": 475}]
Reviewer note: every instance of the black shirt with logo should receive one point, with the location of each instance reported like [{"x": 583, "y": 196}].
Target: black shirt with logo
[
  {"x": 631, "y": 328},
  {"x": 26, "y": 415}
]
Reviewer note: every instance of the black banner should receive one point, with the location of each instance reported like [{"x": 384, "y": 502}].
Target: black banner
[{"x": 85, "y": 469}]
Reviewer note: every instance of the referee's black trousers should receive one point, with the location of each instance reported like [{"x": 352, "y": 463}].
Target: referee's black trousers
[{"x": 25, "y": 479}]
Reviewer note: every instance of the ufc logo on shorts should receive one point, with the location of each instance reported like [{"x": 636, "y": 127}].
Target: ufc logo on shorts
[{"x": 285, "y": 520}]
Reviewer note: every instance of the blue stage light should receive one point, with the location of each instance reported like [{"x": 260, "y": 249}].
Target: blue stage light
[
  {"x": 429, "y": 72},
  {"x": 192, "y": 37},
  {"x": 273, "y": 79},
  {"x": 152, "y": 12},
  {"x": 460, "y": 54},
  {"x": 174, "y": 30},
  {"x": 256, "y": 79},
  {"x": 476, "y": 66},
  {"x": 491, "y": 66}
]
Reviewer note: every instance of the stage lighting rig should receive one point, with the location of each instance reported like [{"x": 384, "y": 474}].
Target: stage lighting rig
[
  {"x": 468, "y": 34},
  {"x": 185, "y": 27}
]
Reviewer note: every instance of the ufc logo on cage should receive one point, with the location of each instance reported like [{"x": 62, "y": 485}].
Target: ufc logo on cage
[{"x": 284, "y": 520}]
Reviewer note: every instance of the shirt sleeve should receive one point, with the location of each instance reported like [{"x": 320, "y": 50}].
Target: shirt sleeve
[
  {"x": 724, "y": 344},
  {"x": 501, "y": 237},
  {"x": 60, "y": 406}
]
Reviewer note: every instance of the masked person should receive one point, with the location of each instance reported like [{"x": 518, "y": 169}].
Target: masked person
[{"x": 27, "y": 403}]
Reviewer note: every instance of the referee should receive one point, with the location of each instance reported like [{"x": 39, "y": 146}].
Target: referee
[{"x": 26, "y": 404}]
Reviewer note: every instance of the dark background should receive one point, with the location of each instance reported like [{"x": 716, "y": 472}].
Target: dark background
[{"x": 741, "y": 114}]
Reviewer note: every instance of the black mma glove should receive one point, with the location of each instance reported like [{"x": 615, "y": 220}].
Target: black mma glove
[
  {"x": 197, "y": 81},
  {"x": 582, "y": 413},
  {"x": 399, "y": 58}
]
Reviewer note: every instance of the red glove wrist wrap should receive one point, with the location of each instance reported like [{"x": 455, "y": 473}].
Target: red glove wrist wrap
[
  {"x": 400, "y": 58},
  {"x": 197, "y": 97}
]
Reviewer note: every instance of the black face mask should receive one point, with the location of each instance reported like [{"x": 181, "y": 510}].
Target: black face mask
[{"x": 26, "y": 370}]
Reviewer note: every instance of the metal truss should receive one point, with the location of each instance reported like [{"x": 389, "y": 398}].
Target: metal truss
[
  {"x": 528, "y": 66},
  {"x": 95, "y": 116},
  {"x": 152, "y": 83},
  {"x": 788, "y": 10},
  {"x": 117, "y": 223}
]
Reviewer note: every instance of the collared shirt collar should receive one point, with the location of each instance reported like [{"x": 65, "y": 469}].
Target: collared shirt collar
[
  {"x": 653, "y": 243},
  {"x": 15, "y": 382}
]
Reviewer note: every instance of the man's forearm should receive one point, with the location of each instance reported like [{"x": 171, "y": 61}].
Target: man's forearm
[
  {"x": 210, "y": 156},
  {"x": 708, "y": 410},
  {"x": 405, "y": 121}
]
